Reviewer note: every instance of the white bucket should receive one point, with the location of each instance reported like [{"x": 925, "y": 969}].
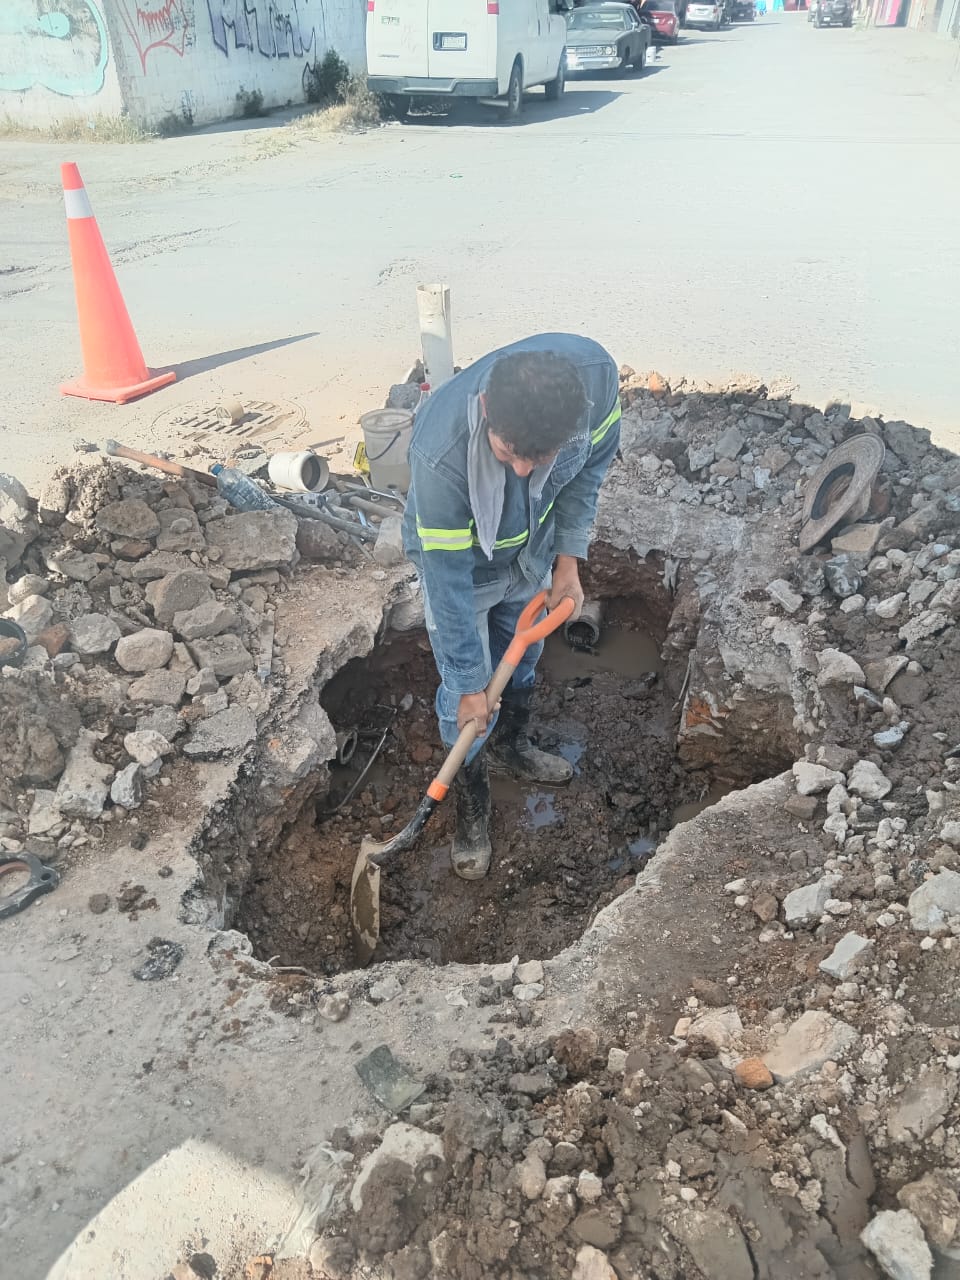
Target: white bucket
[
  {"x": 386, "y": 438},
  {"x": 304, "y": 472}
]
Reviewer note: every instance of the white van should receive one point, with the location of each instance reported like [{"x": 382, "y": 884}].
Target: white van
[{"x": 486, "y": 49}]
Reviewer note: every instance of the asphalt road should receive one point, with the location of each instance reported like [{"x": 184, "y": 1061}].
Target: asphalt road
[{"x": 769, "y": 199}]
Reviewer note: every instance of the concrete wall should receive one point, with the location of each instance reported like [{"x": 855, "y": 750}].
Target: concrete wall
[
  {"x": 55, "y": 62},
  {"x": 152, "y": 58}
]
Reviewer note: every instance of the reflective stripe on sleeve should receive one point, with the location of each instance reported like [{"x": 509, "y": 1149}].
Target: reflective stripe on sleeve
[{"x": 614, "y": 416}]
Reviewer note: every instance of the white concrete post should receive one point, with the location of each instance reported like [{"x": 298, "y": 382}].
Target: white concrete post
[{"x": 436, "y": 333}]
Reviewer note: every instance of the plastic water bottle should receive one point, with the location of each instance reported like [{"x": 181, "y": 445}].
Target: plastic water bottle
[
  {"x": 240, "y": 491},
  {"x": 424, "y": 395}
]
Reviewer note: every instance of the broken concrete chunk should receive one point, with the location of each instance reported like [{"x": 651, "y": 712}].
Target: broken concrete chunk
[
  {"x": 842, "y": 576},
  {"x": 158, "y": 689},
  {"x": 205, "y": 681},
  {"x": 729, "y": 443},
  {"x": 419, "y": 1151},
  {"x": 224, "y": 655},
  {"x": 867, "y": 780},
  {"x": 83, "y": 788},
  {"x": 856, "y": 539},
  {"x": 950, "y": 832},
  {"x": 223, "y": 734},
  {"x": 531, "y": 1175},
  {"x": 947, "y": 599},
  {"x": 44, "y": 814},
  {"x": 78, "y": 566},
  {"x": 847, "y": 956},
  {"x": 934, "y": 1202},
  {"x": 814, "y": 778},
  {"x": 805, "y": 906},
  {"x": 177, "y": 592},
  {"x": 131, "y": 518},
  {"x": 388, "y": 549},
  {"x": 33, "y": 614},
  {"x": 127, "y": 787},
  {"x": 144, "y": 650},
  {"x": 146, "y": 746},
  {"x": 255, "y": 539},
  {"x": 896, "y": 1240},
  {"x": 31, "y": 584},
  {"x": 815, "y": 1038},
  {"x": 928, "y": 624},
  {"x": 936, "y": 900},
  {"x": 530, "y": 971},
  {"x": 715, "y": 1243},
  {"x": 838, "y": 668},
  {"x": 781, "y": 593},
  {"x": 208, "y": 619},
  {"x": 18, "y": 527},
  {"x": 921, "y": 1107},
  {"x": 714, "y": 1031},
  {"x": 93, "y": 633},
  {"x": 180, "y": 530}
]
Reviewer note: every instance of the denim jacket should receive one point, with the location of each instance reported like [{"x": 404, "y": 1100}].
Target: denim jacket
[{"x": 439, "y": 531}]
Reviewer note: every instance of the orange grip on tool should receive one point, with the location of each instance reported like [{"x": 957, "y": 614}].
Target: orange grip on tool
[
  {"x": 529, "y": 631},
  {"x": 437, "y": 791}
]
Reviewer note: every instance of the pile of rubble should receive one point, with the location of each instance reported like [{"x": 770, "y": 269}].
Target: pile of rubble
[
  {"x": 796, "y": 1112},
  {"x": 149, "y": 615}
]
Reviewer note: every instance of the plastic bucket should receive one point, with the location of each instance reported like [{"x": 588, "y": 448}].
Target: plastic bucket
[
  {"x": 303, "y": 472},
  {"x": 386, "y": 438}
]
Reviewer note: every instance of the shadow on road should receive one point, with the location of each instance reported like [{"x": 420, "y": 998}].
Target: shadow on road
[
  {"x": 205, "y": 363},
  {"x": 536, "y": 109}
]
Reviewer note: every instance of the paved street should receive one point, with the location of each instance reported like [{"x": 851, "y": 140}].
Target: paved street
[{"x": 770, "y": 199}]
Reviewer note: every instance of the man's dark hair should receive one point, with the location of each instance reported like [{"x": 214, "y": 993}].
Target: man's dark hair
[{"x": 535, "y": 402}]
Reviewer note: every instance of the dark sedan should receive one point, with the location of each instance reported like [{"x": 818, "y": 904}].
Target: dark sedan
[{"x": 606, "y": 37}]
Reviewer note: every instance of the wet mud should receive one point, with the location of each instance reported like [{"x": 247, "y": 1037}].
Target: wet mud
[{"x": 559, "y": 854}]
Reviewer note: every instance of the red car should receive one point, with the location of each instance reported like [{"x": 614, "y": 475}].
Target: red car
[{"x": 661, "y": 17}]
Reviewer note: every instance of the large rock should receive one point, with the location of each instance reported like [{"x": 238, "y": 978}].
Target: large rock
[
  {"x": 867, "y": 780},
  {"x": 921, "y": 1107},
  {"x": 34, "y": 614},
  {"x": 815, "y": 1038},
  {"x": 224, "y": 655},
  {"x": 421, "y": 1153},
  {"x": 131, "y": 518},
  {"x": 847, "y": 956},
  {"x": 255, "y": 539},
  {"x": 838, "y": 668},
  {"x": 934, "y": 1202},
  {"x": 78, "y": 566},
  {"x": 126, "y": 789},
  {"x": 226, "y": 733},
  {"x": 18, "y": 528},
  {"x": 895, "y": 1238},
  {"x": 159, "y": 688},
  {"x": 83, "y": 788},
  {"x": 935, "y": 901},
  {"x": 592, "y": 1264},
  {"x": 93, "y": 633},
  {"x": 180, "y": 530},
  {"x": 805, "y": 905},
  {"x": 714, "y": 1031},
  {"x": 177, "y": 592},
  {"x": 814, "y": 778},
  {"x": 208, "y": 619},
  {"x": 144, "y": 650},
  {"x": 146, "y": 746}
]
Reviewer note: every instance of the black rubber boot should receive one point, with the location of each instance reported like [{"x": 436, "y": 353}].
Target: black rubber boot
[
  {"x": 470, "y": 855},
  {"x": 511, "y": 750}
]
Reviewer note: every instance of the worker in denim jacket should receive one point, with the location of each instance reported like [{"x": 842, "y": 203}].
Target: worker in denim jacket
[{"x": 506, "y": 462}]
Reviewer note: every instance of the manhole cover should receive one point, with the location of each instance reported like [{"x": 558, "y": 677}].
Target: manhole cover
[{"x": 234, "y": 419}]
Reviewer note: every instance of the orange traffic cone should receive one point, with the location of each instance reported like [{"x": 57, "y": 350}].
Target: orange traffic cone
[{"x": 113, "y": 366}]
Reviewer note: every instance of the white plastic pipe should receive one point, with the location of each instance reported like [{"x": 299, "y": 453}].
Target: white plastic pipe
[{"x": 436, "y": 332}]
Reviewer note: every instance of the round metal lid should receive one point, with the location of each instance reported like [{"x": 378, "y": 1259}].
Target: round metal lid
[{"x": 840, "y": 487}]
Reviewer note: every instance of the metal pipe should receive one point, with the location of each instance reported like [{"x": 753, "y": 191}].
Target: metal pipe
[{"x": 584, "y": 633}]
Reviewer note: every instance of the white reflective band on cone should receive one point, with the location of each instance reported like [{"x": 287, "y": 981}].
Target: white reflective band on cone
[{"x": 78, "y": 203}]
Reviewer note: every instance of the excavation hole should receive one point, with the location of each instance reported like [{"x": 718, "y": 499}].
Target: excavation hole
[{"x": 559, "y": 855}]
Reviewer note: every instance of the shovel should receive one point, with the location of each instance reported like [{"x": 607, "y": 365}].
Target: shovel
[{"x": 365, "y": 885}]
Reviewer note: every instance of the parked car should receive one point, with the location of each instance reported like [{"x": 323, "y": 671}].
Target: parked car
[
  {"x": 605, "y": 37},
  {"x": 447, "y": 48},
  {"x": 705, "y": 13},
  {"x": 830, "y": 13},
  {"x": 662, "y": 19},
  {"x": 743, "y": 10}
]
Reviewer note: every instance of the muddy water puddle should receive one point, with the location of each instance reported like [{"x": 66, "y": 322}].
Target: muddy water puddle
[{"x": 559, "y": 853}]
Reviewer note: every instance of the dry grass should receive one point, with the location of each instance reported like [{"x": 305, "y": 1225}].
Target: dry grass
[
  {"x": 97, "y": 128},
  {"x": 357, "y": 111}
]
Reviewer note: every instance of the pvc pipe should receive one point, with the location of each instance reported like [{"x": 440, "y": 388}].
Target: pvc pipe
[
  {"x": 436, "y": 332},
  {"x": 585, "y": 632},
  {"x": 303, "y": 472}
]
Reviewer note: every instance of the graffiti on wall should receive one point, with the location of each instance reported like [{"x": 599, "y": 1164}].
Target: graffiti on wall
[
  {"x": 61, "y": 45},
  {"x": 272, "y": 28},
  {"x": 155, "y": 24}
]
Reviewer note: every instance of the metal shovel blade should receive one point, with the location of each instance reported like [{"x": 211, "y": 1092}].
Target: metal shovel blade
[{"x": 365, "y": 903}]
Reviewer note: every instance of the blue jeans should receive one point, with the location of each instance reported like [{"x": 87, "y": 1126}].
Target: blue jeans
[{"x": 497, "y": 606}]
